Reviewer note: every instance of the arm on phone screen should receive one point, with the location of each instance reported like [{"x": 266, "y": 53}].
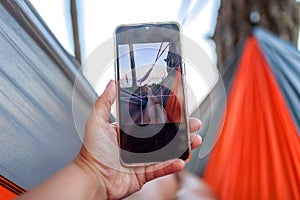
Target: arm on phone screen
[{"x": 96, "y": 173}]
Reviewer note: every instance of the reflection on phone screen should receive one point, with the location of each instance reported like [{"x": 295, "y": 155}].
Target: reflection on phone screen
[
  {"x": 151, "y": 100},
  {"x": 151, "y": 94}
]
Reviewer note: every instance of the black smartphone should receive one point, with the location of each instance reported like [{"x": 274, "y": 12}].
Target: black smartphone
[{"x": 151, "y": 104}]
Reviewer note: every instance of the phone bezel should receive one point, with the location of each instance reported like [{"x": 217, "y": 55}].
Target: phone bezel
[{"x": 145, "y": 25}]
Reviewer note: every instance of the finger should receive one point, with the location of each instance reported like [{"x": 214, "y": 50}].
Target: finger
[
  {"x": 104, "y": 102},
  {"x": 194, "y": 124},
  {"x": 162, "y": 169},
  {"x": 196, "y": 141}
]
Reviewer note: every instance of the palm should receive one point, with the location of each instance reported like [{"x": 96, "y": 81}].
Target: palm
[{"x": 120, "y": 181}]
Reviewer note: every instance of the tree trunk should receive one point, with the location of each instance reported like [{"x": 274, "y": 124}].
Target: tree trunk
[{"x": 279, "y": 16}]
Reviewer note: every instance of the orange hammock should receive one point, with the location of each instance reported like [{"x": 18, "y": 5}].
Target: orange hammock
[
  {"x": 173, "y": 107},
  {"x": 258, "y": 153},
  {"x": 9, "y": 190}
]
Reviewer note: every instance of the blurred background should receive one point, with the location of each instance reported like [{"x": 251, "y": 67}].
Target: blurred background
[{"x": 97, "y": 19}]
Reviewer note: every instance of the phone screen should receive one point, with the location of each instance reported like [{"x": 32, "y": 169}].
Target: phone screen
[{"x": 151, "y": 105}]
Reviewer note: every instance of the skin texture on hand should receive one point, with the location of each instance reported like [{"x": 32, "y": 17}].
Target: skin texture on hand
[{"x": 99, "y": 156}]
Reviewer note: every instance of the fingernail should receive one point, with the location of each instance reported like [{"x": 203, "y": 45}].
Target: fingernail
[{"x": 182, "y": 163}]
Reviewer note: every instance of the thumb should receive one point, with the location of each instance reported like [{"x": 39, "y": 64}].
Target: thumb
[
  {"x": 105, "y": 101},
  {"x": 163, "y": 169}
]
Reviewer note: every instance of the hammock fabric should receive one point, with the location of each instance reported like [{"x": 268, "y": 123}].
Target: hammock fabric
[
  {"x": 44, "y": 101},
  {"x": 9, "y": 190},
  {"x": 257, "y": 155},
  {"x": 173, "y": 106}
]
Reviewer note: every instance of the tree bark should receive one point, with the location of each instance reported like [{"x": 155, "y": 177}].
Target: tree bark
[{"x": 279, "y": 16}]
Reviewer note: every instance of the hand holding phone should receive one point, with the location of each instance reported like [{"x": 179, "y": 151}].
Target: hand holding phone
[{"x": 99, "y": 155}]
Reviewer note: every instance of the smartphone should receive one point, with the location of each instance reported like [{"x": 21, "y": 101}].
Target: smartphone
[{"x": 151, "y": 104}]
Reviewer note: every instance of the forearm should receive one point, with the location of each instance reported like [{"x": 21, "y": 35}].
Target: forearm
[{"x": 72, "y": 182}]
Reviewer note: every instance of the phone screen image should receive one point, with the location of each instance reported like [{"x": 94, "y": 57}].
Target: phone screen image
[{"x": 151, "y": 104}]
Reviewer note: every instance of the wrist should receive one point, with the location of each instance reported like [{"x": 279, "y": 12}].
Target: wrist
[{"x": 95, "y": 178}]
